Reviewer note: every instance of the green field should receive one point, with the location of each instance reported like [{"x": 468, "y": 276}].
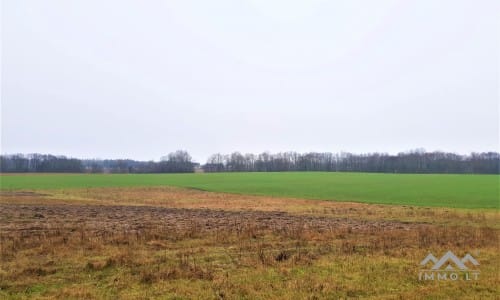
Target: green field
[{"x": 461, "y": 191}]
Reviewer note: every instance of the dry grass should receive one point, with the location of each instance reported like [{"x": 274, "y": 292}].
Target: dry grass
[
  {"x": 182, "y": 244},
  {"x": 174, "y": 197}
]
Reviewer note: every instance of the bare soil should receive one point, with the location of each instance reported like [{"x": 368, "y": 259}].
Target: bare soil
[
  {"x": 156, "y": 243},
  {"x": 102, "y": 219}
]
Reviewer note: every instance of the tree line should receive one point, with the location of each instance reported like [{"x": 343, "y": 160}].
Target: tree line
[
  {"x": 175, "y": 162},
  {"x": 415, "y": 161}
]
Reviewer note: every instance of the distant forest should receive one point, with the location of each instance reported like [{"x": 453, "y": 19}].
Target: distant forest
[
  {"x": 416, "y": 161},
  {"x": 176, "y": 162}
]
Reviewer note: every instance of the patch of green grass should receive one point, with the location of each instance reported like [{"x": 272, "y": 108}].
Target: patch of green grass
[{"x": 444, "y": 190}]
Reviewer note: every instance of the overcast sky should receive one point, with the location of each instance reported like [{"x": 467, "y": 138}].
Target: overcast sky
[{"x": 139, "y": 79}]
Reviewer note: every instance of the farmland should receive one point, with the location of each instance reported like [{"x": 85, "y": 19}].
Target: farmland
[
  {"x": 244, "y": 235},
  {"x": 459, "y": 191}
]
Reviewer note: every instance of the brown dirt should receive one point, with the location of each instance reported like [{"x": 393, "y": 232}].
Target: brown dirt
[
  {"x": 173, "y": 197},
  {"x": 132, "y": 243},
  {"x": 100, "y": 219}
]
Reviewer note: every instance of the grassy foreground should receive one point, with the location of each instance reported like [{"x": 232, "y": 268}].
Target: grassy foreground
[
  {"x": 174, "y": 243},
  {"x": 460, "y": 191}
]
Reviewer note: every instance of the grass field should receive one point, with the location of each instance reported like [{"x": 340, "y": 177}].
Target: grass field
[
  {"x": 459, "y": 191},
  {"x": 176, "y": 243},
  {"x": 244, "y": 235}
]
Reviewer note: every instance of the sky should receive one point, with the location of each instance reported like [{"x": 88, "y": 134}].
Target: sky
[{"x": 140, "y": 79}]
